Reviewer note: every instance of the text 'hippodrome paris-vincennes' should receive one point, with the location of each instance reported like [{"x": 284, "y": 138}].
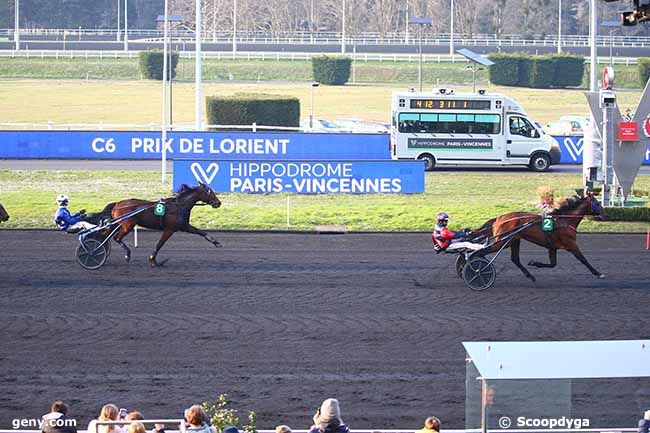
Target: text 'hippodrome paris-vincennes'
[{"x": 226, "y": 146}]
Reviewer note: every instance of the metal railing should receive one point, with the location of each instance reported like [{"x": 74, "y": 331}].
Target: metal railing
[{"x": 261, "y": 55}]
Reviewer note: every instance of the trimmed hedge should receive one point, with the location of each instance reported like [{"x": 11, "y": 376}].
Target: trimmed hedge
[
  {"x": 524, "y": 70},
  {"x": 332, "y": 70},
  {"x": 151, "y": 64},
  {"x": 635, "y": 213},
  {"x": 644, "y": 70},
  {"x": 246, "y": 109}
]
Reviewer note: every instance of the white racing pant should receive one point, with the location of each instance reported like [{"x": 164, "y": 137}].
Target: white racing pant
[
  {"x": 463, "y": 245},
  {"x": 81, "y": 225}
]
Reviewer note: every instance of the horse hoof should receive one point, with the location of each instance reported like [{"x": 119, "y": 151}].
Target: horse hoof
[
  {"x": 531, "y": 263},
  {"x": 217, "y": 244},
  {"x": 127, "y": 258},
  {"x": 601, "y": 276},
  {"x": 532, "y": 278}
]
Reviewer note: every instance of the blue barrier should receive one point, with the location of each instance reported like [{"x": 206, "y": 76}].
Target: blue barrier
[
  {"x": 572, "y": 147},
  {"x": 198, "y": 145},
  {"x": 303, "y": 177}
]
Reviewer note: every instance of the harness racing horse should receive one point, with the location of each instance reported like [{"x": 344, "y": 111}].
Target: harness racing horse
[
  {"x": 4, "y": 216},
  {"x": 566, "y": 220},
  {"x": 176, "y": 217}
]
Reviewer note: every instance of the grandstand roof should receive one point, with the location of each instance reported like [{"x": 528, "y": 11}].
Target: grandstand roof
[{"x": 560, "y": 359}]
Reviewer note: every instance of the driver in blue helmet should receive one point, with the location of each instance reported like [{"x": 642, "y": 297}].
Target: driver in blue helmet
[
  {"x": 449, "y": 240},
  {"x": 65, "y": 221}
]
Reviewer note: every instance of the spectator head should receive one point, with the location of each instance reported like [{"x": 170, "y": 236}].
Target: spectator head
[
  {"x": 59, "y": 406},
  {"x": 136, "y": 427},
  {"x": 109, "y": 412},
  {"x": 432, "y": 423},
  {"x": 490, "y": 392},
  {"x": 329, "y": 411},
  {"x": 230, "y": 429},
  {"x": 283, "y": 429},
  {"x": 134, "y": 416},
  {"x": 196, "y": 415}
]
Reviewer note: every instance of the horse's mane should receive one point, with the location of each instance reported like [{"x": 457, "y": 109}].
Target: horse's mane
[
  {"x": 184, "y": 190},
  {"x": 568, "y": 204}
]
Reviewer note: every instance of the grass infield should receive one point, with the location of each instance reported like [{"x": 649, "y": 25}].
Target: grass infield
[{"x": 471, "y": 199}]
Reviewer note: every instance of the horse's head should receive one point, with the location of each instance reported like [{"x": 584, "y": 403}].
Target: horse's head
[
  {"x": 4, "y": 216},
  {"x": 593, "y": 206},
  {"x": 208, "y": 196}
]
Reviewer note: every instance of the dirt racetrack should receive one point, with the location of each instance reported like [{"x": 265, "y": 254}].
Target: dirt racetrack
[{"x": 281, "y": 321}]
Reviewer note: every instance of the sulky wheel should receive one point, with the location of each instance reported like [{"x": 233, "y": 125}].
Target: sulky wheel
[
  {"x": 460, "y": 264},
  {"x": 479, "y": 273},
  {"x": 91, "y": 254}
]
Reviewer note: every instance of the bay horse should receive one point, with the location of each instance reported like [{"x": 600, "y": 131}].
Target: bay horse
[
  {"x": 176, "y": 217},
  {"x": 563, "y": 237},
  {"x": 4, "y": 216}
]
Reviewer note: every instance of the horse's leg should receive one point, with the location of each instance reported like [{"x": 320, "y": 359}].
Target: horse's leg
[
  {"x": 125, "y": 229},
  {"x": 576, "y": 252},
  {"x": 163, "y": 238},
  {"x": 552, "y": 256},
  {"x": 514, "y": 256},
  {"x": 193, "y": 230}
]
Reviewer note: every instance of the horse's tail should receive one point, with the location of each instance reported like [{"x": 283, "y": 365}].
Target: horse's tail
[
  {"x": 483, "y": 233},
  {"x": 104, "y": 215}
]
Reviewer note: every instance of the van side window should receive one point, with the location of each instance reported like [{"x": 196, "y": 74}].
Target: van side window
[{"x": 521, "y": 126}]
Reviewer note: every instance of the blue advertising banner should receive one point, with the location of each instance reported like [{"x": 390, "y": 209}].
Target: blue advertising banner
[
  {"x": 303, "y": 177},
  {"x": 197, "y": 145},
  {"x": 572, "y": 147}
]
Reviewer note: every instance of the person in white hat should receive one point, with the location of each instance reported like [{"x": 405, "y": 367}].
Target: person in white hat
[{"x": 328, "y": 418}]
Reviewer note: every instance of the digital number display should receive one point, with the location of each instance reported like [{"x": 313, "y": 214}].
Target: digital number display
[{"x": 450, "y": 104}]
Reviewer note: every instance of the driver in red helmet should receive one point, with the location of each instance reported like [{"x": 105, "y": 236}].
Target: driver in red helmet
[{"x": 449, "y": 240}]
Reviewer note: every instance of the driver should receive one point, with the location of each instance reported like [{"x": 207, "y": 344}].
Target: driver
[
  {"x": 449, "y": 240},
  {"x": 67, "y": 222}
]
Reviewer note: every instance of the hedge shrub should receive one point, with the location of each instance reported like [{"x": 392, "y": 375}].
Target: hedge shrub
[
  {"x": 151, "y": 64},
  {"x": 635, "y": 213},
  {"x": 246, "y": 109},
  {"x": 332, "y": 70},
  {"x": 644, "y": 70},
  {"x": 524, "y": 70}
]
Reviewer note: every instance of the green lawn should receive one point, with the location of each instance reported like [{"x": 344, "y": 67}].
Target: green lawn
[
  {"x": 469, "y": 198},
  {"x": 138, "y": 102}
]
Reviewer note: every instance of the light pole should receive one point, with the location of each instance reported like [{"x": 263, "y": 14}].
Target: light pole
[
  {"x": 592, "y": 41},
  {"x": 126, "y": 25},
  {"x": 404, "y": 7},
  {"x": 311, "y": 22},
  {"x": 17, "y": 24},
  {"x": 119, "y": 28},
  {"x": 612, "y": 26},
  {"x": 311, "y": 115},
  {"x": 559, "y": 27},
  {"x": 343, "y": 29},
  {"x": 163, "y": 169},
  {"x": 234, "y": 26},
  {"x": 198, "y": 115},
  {"x": 451, "y": 35},
  {"x": 420, "y": 22}
]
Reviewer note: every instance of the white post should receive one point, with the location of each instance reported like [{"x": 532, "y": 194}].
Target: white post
[
  {"x": 135, "y": 236},
  {"x": 197, "y": 75},
  {"x": 119, "y": 28},
  {"x": 234, "y": 26},
  {"x": 343, "y": 29},
  {"x": 311, "y": 22},
  {"x": 126, "y": 25},
  {"x": 559, "y": 27},
  {"x": 163, "y": 168},
  {"x": 451, "y": 36},
  {"x": 17, "y": 24},
  {"x": 407, "y": 22},
  {"x": 592, "y": 41}
]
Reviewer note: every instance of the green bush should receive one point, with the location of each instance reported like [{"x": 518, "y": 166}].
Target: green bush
[
  {"x": 151, "y": 64},
  {"x": 332, "y": 70},
  {"x": 569, "y": 70},
  {"x": 542, "y": 72},
  {"x": 222, "y": 416},
  {"x": 644, "y": 70},
  {"x": 505, "y": 71},
  {"x": 246, "y": 109},
  {"x": 635, "y": 213}
]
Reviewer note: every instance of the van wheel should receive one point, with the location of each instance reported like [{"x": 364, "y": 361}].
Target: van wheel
[
  {"x": 539, "y": 162},
  {"x": 429, "y": 161}
]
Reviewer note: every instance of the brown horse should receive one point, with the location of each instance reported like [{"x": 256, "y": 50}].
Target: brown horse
[
  {"x": 4, "y": 216},
  {"x": 176, "y": 217},
  {"x": 566, "y": 220}
]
